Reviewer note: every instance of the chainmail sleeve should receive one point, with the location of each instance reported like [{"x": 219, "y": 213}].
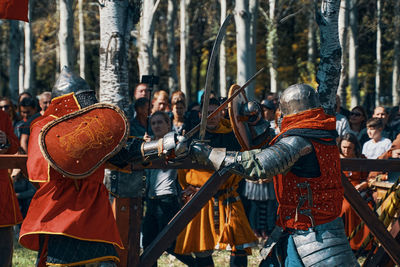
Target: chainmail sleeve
[{"x": 279, "y": 158}]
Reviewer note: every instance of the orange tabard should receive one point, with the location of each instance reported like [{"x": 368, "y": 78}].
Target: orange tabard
[
  {"x": 9, "y": 209},
  {"x": 351, "y": 219},
  {"x": 234, "y": 229},
  {"x": 327, "y": 190},
  {"x": 64, "y": 206}
]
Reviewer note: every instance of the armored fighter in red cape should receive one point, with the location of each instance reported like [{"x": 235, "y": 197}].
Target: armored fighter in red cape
[
  {"x": 70, "y": 221},
  {"x": 303, "y": 162}
]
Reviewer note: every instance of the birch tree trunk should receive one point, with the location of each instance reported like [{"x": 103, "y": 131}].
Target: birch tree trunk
[
  {"x": 271, "y": 45},
  {"x": 343, "y": 34},
  {"x": 115, "y": 26},
  {"x": 155, "y": 68},
  {"x": 66, "y": 34},
  {"x": 82, "y": 58},
  {"x": 353, "y": 53},
  {"x": 329, "y": 68},
  {"x": 184, "y": 25},
  {"x": 242, "y": 20},
  {"x": 311, "y": 44},
  {"x": 21, "y": 58},
  {"x": 14, "y": 50},
  {"x": 222, "y": 56},
  {"x": 378, "y": 92},
  {"x": 172, "y": 62},
  {"x": 253, "y": 11},
  {"x": 146, "y": 41},
  {"x": 57, "y": 72},
  {"x": 29, "y": 68},
  {"x": 395, "y": 74}
]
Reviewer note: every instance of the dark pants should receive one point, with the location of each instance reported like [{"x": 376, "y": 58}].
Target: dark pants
[
  {"x": 262, "y": 215},
  {"x": 66, "y": 251},
  {"x": 6, "y": 246},
  {"x": 159, "y": 212}
]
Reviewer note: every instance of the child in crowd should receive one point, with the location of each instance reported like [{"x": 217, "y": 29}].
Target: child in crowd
[
  {"x": 162, "y": 192},
  {"x": 377, "y": 145}
]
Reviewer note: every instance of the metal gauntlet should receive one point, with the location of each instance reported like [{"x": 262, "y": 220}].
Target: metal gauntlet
[
  {"x": 279, "y": 158},
  {"x": 162, "y": 147}
]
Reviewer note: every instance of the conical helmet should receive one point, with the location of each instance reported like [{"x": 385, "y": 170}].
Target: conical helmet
[
  {"x": 69, "y": 82},
  {"x": 297, "y": 98}
]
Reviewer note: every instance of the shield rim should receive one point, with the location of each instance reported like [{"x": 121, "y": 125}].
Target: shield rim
[
  {"x": 48, "y": 126},
  {"x": 242, "y": 143}
]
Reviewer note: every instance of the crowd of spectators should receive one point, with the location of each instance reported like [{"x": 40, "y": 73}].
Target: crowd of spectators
[{"x": 152, "y": 116}]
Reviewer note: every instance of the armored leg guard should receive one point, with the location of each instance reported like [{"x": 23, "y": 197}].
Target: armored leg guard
[{"x": 325, "y": 245}]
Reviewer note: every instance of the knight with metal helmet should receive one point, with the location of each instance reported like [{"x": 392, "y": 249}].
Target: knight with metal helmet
[
  {"x": 303, "y": 163},
  {"x": 70, "y": 221}
]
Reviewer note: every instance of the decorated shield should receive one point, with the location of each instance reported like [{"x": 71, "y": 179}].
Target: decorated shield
[
  {"x": 250, "y": 129},
  {"x": 78, "y": 143}
]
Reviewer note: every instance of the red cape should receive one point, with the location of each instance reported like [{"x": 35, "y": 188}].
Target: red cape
[
  {"x": 14, "y": 9},
  {"x": 64, "y": 206}
]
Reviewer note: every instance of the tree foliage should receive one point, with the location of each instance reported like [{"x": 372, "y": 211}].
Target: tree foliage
[{"x": 203, "y": 16}]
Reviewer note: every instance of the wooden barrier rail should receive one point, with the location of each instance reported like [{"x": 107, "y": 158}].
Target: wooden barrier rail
[{"x": 387, "y": 165}]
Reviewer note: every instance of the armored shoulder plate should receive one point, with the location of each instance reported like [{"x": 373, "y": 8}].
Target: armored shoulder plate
[{"x": 280, "y": 157}]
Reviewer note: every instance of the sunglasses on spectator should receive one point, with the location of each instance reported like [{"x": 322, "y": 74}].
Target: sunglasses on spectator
[
  {"x": 5, "y": 107},
  {"x": 355, "y": 114}
]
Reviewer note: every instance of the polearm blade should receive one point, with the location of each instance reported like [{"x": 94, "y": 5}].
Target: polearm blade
[
  {"x": 224, "y": 104},
  {"x": 210, "y": 75}
]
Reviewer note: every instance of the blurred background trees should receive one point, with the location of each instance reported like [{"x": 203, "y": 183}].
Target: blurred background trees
[{"x": 282, "y": 36}]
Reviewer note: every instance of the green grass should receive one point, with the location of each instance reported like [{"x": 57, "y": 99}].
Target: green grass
[
  {"x": 25, "y": 258},
  {"x": 221, "y": 259}
]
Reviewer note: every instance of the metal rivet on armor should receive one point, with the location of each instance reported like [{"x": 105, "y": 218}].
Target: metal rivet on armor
[
  {"x": 123, "y": 208},
  {"x": 58, "y": 135},
  {"x": 56, "y": 109},
  {"x": 113, "y": 177},
  {"x": 77, "y": 161}
]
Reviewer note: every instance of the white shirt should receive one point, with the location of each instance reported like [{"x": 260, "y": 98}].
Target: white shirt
[
  {"x": 342, "y": 124},
  {"x": 373, "y": 150}
]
